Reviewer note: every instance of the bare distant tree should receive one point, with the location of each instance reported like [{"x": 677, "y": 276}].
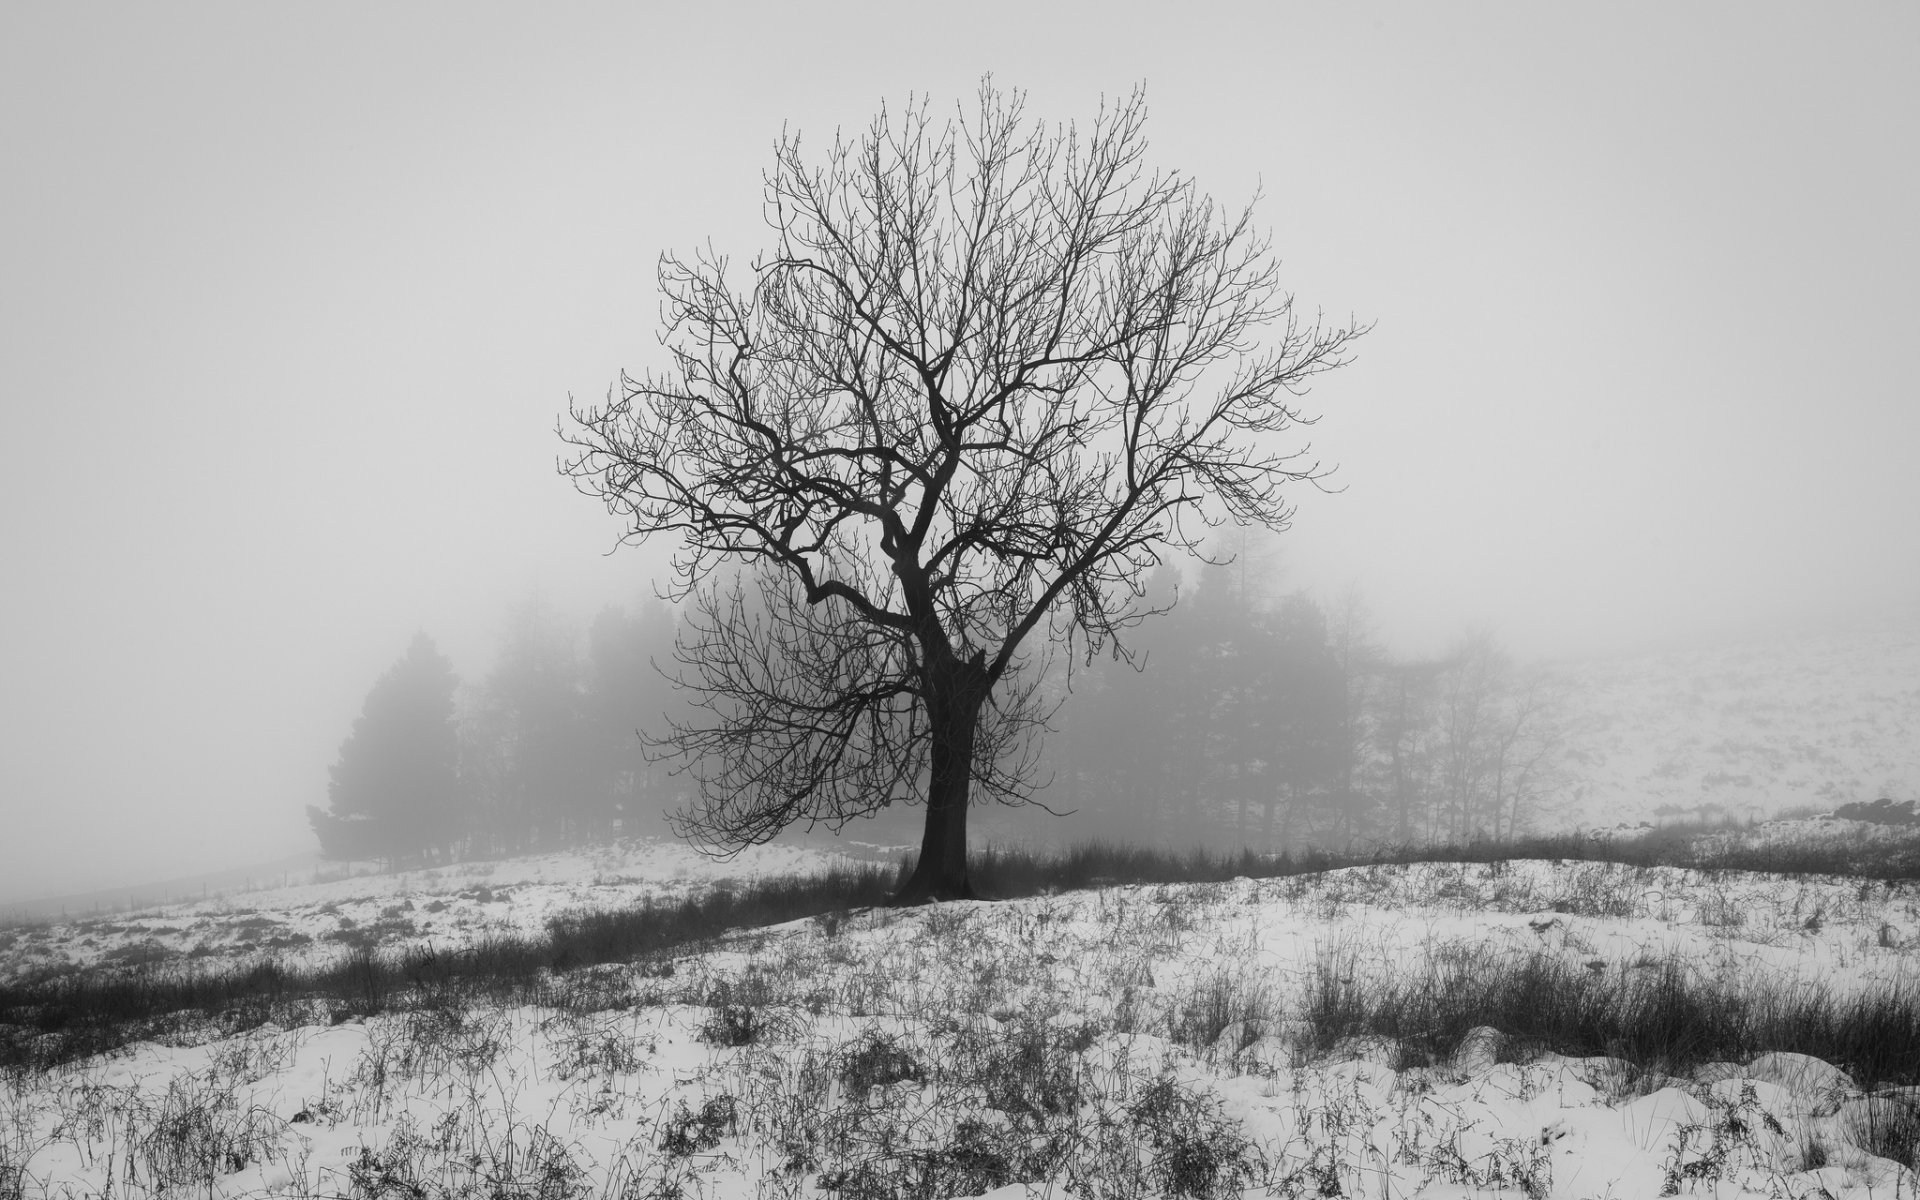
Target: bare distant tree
[
  {"x": 1405, "y": 731},
  {"x": 988, "y": 374},
  {"x": 1357, "y": 655},
  {"x": 1528, "y": 744},
  {"x": 1471, "y": 684}
]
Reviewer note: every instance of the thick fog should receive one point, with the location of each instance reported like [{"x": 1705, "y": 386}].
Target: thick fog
[{"x": 292, "y": 300}]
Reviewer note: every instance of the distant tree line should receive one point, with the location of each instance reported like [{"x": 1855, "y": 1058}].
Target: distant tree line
[
  {"x": 1279, "y": 721},
  {"x": 1247, "y": 718},
  {"x": 542, "y": 752}
]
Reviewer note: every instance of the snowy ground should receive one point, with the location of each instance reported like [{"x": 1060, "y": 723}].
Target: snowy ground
[
  {"x": 442, "y": 907},
  {"x": 1756, "y": 726},
  {"x": 961, "y": 1048}
]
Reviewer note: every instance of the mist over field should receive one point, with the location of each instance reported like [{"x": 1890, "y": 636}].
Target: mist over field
[{"x": 294, "y": 300}]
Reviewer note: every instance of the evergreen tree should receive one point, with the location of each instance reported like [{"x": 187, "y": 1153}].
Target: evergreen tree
[
  {"x": 532, "y": 743},
  {"x": 625, "y": 695},
  {"x": 1127, "y": 751},
  {"x": 395, "y": 790},
  {"x": 1231, "y": 674},
  {"x": 1305, "y": 692}
]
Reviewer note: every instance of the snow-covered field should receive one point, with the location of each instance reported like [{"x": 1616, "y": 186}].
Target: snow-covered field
[
  {"x": 440, "y": 907},
  {"x": 1755, "y": 726},
  {"x": 1131, "y": 1041}
]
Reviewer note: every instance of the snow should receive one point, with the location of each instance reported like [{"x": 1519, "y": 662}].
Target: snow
[
  {"x": 1746, "y": 727},
  {"x": 439, "y": 907},
  {"x": 980, "y": 1045}
]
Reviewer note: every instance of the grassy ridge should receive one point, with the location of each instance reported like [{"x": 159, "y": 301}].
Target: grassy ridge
[
  {"x": 1655, "y": 1015},
  {"x": 62, "y": 1018},
  {"x": 89, "y": 1012}
]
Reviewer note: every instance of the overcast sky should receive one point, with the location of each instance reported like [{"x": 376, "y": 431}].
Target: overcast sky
[{"x": 290, "y": 299}]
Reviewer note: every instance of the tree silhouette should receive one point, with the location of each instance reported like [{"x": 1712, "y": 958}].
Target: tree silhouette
[
  {"x": 532, "y": 746},
  {"x": 623, "y": 692},
  {"x": 1305, "y": 692},
  {"x": 988, "y": 375},
  {"x": 395, "y": 790}
]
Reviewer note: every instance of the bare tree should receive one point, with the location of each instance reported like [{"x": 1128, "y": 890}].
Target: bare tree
[
  {"x": 1406, "y": 732},
  {"x": 988, "y": 374},
  {"x": 1471, "y": 684},
  {"x": 1357, "y": 655},
  {"x": 1527, "y": 747}
]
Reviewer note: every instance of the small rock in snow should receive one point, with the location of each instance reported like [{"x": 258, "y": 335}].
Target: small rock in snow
[
  {"x": 1651, "y": 1119},
  {"x": 1477, "y": 1051},
  {"x": 1817, "y": 1085}
]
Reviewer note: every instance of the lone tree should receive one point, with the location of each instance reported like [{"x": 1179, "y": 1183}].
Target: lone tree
[{"x": 988, "y": 374}]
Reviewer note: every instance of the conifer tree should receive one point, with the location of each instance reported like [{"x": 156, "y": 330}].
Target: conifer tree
[{"x": 395, "y": 789}]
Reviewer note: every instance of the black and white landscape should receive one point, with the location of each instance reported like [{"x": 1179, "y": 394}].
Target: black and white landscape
[{"x": 894, "y": 603}]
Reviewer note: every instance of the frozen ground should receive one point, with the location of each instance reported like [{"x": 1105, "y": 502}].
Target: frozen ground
[
  {"x": 1130, "y": 1041},
  {"x": 1748, "y": 727},
  {"x": 440, "y": 907}
]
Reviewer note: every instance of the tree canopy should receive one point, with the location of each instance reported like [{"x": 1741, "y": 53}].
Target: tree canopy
[{"x": 990, "y": 372}]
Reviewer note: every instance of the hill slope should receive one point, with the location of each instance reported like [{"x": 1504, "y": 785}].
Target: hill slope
[
  {"x": 1373, "y": 1031},
  {"x": 1817, "y": 719}
]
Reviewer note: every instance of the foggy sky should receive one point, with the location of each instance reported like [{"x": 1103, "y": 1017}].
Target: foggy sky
[{"x": 291, "y": 299}]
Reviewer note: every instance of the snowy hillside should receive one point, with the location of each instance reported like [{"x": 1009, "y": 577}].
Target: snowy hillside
[
  {"x": 1750, "y": 727},
  {"x": 1192, "y": 1040},
  {"x": 444, "y": 908}
]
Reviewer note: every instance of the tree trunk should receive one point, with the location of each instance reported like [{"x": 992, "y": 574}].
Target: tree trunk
[{"x": 954, "y": 698}]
